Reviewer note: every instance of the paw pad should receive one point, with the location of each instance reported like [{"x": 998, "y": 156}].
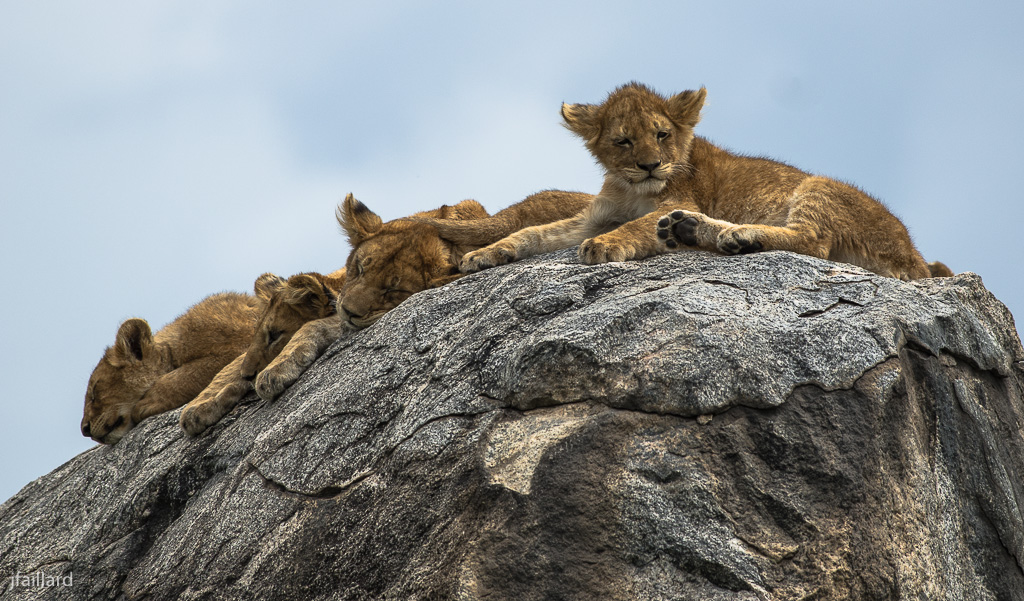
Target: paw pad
[
  {"x": 676, "y": 228},
  {"x": 686, "y": 231}
]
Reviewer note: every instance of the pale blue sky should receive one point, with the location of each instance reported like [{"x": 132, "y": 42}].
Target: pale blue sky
[{"x": 152, "y": 153}]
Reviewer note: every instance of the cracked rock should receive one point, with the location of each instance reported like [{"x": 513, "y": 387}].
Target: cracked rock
[{"x": 761, "y": 427}]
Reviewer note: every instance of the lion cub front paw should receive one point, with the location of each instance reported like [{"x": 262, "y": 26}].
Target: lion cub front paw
[
  {"x": 679, "y": 228},
  {"x": 489, "y": 256},
  {"x": 195, "y": 419},
  {"x": 272, "y": 381},
  {"x": 602, "y": 249}
]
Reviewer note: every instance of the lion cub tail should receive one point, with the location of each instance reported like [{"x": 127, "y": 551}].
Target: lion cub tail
[{"x": 938, "y": 269}]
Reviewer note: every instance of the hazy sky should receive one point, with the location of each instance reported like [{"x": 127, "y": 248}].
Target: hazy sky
[{"x": 152, "y": 153}]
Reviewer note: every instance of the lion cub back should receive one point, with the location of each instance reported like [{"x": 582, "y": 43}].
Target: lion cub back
[{"x": 219, "y": 324}]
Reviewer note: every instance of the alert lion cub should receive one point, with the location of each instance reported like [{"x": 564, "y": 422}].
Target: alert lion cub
[
  {"x": 297, "y": 320},
  {"x": 143, "y": 373},
  {"x": 666, "y": 189}
]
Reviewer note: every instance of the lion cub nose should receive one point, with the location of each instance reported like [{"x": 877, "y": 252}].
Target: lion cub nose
[
  {"x": 86, "y": 430},
  {"x": 649, "y": 167},
  {"x": 349, "y": 313}
]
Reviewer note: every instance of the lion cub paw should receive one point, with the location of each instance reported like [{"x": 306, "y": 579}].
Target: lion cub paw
[
  {"x": 740, "y": 239},
  {"x": 272, "y": 381},
  {"x": 489, "y": 256},
  {"x": 679, "y": 228},
  {"x": 195, "y": 419},
  {"x": 604, "y": 250}
]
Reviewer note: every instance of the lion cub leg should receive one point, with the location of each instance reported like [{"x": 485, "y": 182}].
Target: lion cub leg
[
  {"x": 528, "y": 242},
  {"x": 302, "y": 350},
  {"x": 804, "y": 222},
  {"x": 690, "y": 228},
  {"x": 177, "y": 387},
  {"x": 216, "y": 400},
  {"x": 629, "y": 242}
]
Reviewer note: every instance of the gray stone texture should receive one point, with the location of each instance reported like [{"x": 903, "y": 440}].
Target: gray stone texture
[{"x": 692, "y": 426}]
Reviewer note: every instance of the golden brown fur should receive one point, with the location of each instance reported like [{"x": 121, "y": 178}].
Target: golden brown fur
[
  {"x": 298, "y": 318},
  {"x": 143, "y": 373},
  {"x": 295, "y": 314},
  {"x": 391, "y": 261},
  {"x": 666, "y": 188}
]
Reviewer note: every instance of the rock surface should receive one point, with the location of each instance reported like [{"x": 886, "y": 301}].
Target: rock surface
[{"x": 692, "y": 426}]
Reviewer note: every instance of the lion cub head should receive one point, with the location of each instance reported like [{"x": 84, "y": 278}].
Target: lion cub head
[
  {"x": 392, "y": 261},
  {"x": 122, "y": 378},
  {"x": 285, "y": 306},
  {"x": 640, "y": 137}
]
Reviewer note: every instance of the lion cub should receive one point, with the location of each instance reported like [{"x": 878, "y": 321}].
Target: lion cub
[
  {"x": 391, "y": 261},
  {"x": 143, "y": 373},
  {"x": 666, "y": 188},
  {"x": 297, "y": 320}
]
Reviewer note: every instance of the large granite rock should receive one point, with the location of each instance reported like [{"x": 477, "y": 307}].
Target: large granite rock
[{"x": 688, "y": 427}]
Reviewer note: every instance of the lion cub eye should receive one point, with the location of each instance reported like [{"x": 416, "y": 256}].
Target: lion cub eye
[
  {"x": 662, "y": 135},
  {"x": 273, "y": 335},
  {"x": 623, "y": 142}
]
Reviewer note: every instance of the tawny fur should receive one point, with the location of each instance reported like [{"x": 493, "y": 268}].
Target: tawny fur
[
  {"x": 295, "y": 315},
  {"x": 392, "y": 261},
  {"x": 658, "y": 173},
  {"x": 143, "y": 373},
  {"x": 299, "y": 320}
]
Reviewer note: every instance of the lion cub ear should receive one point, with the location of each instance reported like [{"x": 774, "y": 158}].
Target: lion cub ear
[
  {"x": 134, "y": 340},
  {"x": 266, "y": 285},
  {"x": 684, "y": 108},
  {"x": 582, "y": 120},
  {"x": 308, "y": 291},
  {"x": 356, "y": 220}
]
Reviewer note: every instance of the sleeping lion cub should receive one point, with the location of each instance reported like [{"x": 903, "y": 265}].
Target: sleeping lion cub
[
  {"x": 666, "y": 189},
  {"x": 297, "y": 319}
]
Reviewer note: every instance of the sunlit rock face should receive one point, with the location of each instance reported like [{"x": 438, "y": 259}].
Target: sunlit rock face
[{"x": 768, "y": 426}]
